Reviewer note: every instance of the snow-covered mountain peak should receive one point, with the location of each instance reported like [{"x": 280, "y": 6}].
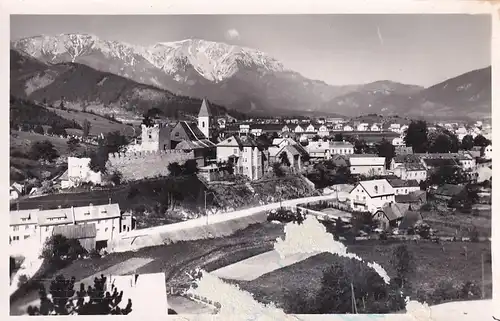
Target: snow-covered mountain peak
[{"x": 214, "y": 61}]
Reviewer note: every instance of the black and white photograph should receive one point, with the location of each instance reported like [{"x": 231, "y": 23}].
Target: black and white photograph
[{"x": 251, "y": 165}]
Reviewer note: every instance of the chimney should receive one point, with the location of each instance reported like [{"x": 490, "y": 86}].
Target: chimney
[
  {"x": 17, "y": 205},
  {"x": 109, "y": 200}
]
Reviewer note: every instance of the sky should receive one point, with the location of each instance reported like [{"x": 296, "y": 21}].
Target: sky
[{"x": 422, "y": 49}]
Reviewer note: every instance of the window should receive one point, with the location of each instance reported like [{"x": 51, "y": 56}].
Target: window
[
  {"x": 46, "y": 229},
  {"x": 150, "y": 136},
  {"x": 26, "y": 227},
  {"x": 106, "y": 229},
  {"x": 15, "y": 228},
  {"x": 235, "y": 151},
  {"x": 26, "y": 236},
  {"x": 203, "y": 124},
  {"x": 15, "y": 238}
]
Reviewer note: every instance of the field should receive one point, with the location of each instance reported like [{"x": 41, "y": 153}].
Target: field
[
  {"x": 460, "y": 224},
  {"x": 433, "y": 263},
  {"x": 175, "y": 259},
  {"x": 21, "y": 142},
  {"x": 99, "y": 123}
]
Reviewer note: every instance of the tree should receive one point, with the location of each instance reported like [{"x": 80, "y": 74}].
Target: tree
[
  {"x": 444, "y": 143},
  {"x": 315, "y": 138},
  {"x": 43, "y": 150},
  {"x": 59, "y": 250},
  {"x": 338, "y": 137},
  {"x": 64, "y": 300},
  {"x": 116, "y": 178},
  {"x": 403, "y": 262},
  {"x": 360, "y": 146},
  {"x": 86, "y": 128},
  {"x": 39, "y": 129},
  {"x": 480, "y": 140},
  {"x": 115, "y": 142},
  {"x": 278, "y": 170},
  {"x": 175, "y": 169},
  {"x": 190, "y": 167},
  {"x": 467, "y": 142},
  {"x": 416, "y": 136},
  {"x": 447, "y": 175},
  {"x": 387, "y": 150},
  {"x": 284, "y": 159},
  {"x": 61, "y": 104},
  {"x": 73, "y": 144},
  {"x": 99, "y": 159},
  {"x": 348, "y": 278}
]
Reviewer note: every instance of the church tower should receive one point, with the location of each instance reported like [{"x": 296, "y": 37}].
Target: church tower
[{"x": 204, "y": 118}]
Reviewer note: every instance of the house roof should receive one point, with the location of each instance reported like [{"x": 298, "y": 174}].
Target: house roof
[
  {"x": 76, "y": 231},
  {"x": 23, "y": 217},
  {"x": 407, "y": 158},
  {"x": 394, "y": 211},
  {"x": 363, "y": 161},
  {"x": 81, "y": 213},
  {"x": 239, "y": 141},
  {"x": 377, "y": 187},
  {"x": 204, "y": 109},
  {"x": 410, "y": 219},
  {"x": 436, "y": 162},
  {"x": 336, "y": 144},
  {"x": 413, "y": 167},
  {"x": 397, "y": 182},
  {"x": 449, "y": 190},
  {"x": 413, "y": 197},
  {"x": 197, "y": 144},
  {"x": 192, "y": 131}
]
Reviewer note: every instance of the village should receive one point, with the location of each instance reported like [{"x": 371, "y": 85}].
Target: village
[{"x": 363, "y": 184}]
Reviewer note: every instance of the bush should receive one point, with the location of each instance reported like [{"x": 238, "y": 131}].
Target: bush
[{"x": 59, "y": 250}]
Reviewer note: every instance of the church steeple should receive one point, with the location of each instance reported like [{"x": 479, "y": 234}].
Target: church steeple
[
  {"x": 204, "y": 118},
  {"x": 205, "y": 109}
]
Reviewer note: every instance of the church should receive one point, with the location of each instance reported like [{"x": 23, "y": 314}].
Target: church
[{"x": 183, "y": 135}]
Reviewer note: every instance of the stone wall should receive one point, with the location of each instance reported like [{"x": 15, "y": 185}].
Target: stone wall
[{"x": 139, "y": 165}]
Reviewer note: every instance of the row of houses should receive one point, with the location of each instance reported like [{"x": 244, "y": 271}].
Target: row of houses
[{"x": 93, "y": 225}]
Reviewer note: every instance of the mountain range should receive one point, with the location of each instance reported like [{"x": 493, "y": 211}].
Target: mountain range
[{"x": 239, "y": 78}]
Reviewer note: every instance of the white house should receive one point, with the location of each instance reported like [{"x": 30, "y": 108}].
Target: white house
[
  {"x": 256, "y": 131},
  {"x": 323, "y": 131},
  {"x": 108, "y": 219},
  {"x": 285, "y": 129},
  {"x": 488, "y": 152},
  {"x": 413, "y": 171},
  {"x": 311, "y": 129},
  {"x": 298, "y": 129},
  {"x": 375, "y": 127},
  {"x": 341, "y": 148},
  {"x": 404, "y": 187},
  {"x": 348, "y": 128},
  {"x": 79, "y": 172},
  {"x": 318, "y": 150},
  {"x": 370, "y": 196},
  {"x": 278, "y": 144},
  {"x": 244, "y": 128},
  {"x": 247, "y": 156},
  {"x": 363, "y": 127},
  {"x": 395, "y": 128},
  {"x": 398, "y": 141},
  {"x": 367, "y": 166}
]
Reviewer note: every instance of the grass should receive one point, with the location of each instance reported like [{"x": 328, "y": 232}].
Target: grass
[
  {"x": 99, "y": 123},
  {"x": 449, "y": 224},
  {"x": 432, "y": 265},
  {"x": 21, "y": 142}
]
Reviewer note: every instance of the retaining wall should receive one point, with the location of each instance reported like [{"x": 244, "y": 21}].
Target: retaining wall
[
  {"x": 139, "y": 165},
  {"x": 219, "y": 225}
]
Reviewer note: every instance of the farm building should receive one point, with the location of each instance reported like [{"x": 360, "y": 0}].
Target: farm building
[{"x": 85, "y": 234}]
